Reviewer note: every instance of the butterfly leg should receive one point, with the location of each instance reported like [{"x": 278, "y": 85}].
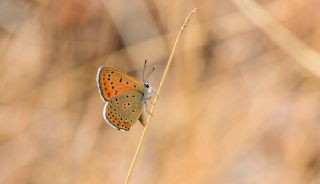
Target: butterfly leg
[
  {"x": 151, "y": 102},
  {"x": 156, "y": 92},
  {"x": 148, "y": 109}
]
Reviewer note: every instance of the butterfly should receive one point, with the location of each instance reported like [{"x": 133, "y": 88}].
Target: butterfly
[{"x": 125, "y": 97}]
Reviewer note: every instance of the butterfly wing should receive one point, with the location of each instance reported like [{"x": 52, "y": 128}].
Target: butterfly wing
[
  {"x": 112, "y": 82},
  {"x": 124, "y": 110}
]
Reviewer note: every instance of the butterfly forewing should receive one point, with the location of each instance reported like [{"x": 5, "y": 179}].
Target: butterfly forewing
[
  {"x": 124, "y": 110},
  {"x": 112, "y": 82}
]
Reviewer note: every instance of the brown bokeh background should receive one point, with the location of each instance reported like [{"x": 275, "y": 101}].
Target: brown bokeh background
[{"x": 240, "y": 105}]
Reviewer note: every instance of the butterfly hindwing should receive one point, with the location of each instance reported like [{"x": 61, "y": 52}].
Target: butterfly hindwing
[
  {"x": 124, "y": 110},
  {"x": 112, "y": 82}
]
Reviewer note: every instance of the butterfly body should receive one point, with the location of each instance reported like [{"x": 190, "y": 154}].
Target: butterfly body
[{"x": 124, "y": 96}]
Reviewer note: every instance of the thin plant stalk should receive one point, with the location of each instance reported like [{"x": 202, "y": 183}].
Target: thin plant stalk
[{"x": 164, "y": 76}]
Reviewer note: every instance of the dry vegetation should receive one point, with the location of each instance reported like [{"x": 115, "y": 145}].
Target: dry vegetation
[{"x": 240, "y": 106}]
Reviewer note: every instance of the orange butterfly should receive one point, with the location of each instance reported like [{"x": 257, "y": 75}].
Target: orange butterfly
[{"x": 125, "y": 97}]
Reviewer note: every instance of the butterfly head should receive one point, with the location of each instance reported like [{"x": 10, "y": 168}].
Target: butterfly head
[{"x": 148, "y": 89}]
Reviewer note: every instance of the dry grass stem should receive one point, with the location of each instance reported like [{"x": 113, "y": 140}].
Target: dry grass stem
[{"x": 164, "y": 76}]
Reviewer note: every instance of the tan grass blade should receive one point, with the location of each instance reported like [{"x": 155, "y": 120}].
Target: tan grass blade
[{"x": 164, "y": 76}]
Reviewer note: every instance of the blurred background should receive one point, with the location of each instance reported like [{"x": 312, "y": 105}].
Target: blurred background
[{"x": 240, "y": 104}]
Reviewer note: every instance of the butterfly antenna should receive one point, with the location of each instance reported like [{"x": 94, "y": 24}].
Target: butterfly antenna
[
  {"x": 144, "y": 69},
  {"x": 153, "y": 69}
]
